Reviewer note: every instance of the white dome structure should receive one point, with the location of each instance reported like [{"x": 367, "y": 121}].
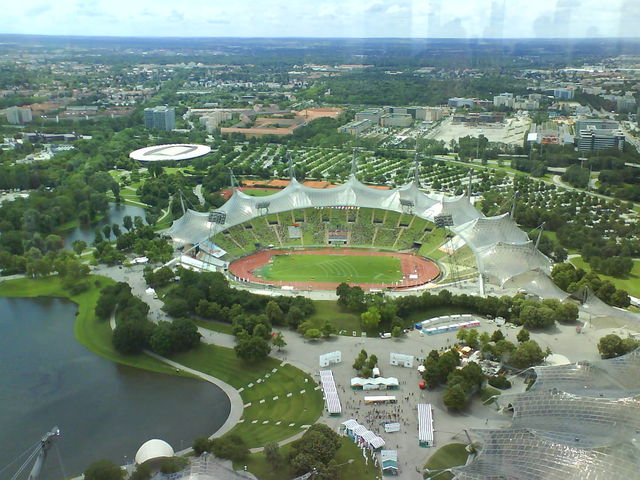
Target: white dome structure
[{"x": 153, "y": 449}]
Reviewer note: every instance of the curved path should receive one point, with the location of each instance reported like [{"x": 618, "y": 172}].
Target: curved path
[{"x": 235, "y": 400}]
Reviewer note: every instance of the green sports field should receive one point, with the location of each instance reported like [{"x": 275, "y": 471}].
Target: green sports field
[{"x": 332, "y": 269}]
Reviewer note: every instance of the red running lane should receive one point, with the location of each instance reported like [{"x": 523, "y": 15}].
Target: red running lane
[{"x": 425, "y": 270}]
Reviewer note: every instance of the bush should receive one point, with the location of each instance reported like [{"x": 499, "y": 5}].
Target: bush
[
  {"x": 230, "y": 446},
  {"x": 500, "y": 382}
]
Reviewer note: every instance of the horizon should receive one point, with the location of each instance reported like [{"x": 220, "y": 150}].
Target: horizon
[{"x": 451, "y": 19}]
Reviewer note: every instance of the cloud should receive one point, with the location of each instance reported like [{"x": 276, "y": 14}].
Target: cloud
[
  {"x": 322, "y": 18},
  {"x": 39, "y": 10}
]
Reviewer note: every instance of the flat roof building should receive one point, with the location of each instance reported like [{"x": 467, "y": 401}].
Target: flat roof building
[
  {"x": 357, "y": 127},
  {"x": 160, "y": 118},
  {"x": 396, "y": 120},
  {"x": 18, "y": 115}
]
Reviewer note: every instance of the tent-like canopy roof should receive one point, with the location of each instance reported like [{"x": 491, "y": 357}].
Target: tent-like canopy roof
[{"x": 502, "y": 250}]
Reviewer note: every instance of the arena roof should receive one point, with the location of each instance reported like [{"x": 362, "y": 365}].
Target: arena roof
[
  {"x": 577, "y": 422},
  {"x": 502, "y": 250},
  {"x": 170, "y": 152}
]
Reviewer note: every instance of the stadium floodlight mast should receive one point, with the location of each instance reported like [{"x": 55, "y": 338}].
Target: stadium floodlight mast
[
  {"x": 263, "y": 207},
  {"x": 407, "y": 206},
  {"x": 445, "y": 220},
  {"x": 217, "y": 217}
]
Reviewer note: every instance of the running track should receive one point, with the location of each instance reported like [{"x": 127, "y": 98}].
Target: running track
[{"x": 425, "y": 270}]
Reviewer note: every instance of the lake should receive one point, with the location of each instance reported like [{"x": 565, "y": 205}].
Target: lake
[
  {"x": 104, "y": 410},
  {"x": 115, "y": 214}
]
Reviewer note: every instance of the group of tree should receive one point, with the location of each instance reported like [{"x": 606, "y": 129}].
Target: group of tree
[
  {"x": 134, "y": 332},
  {"x": 517, "y": 309},
  {"x": 316, "y": 450},
  {"x": 364, "y": 364},
  {"x": 310, "y": 331},
  {"x": 611, "y": 346},
  {"x": 572, "y": 279},
  {"x": 208, "y": 295},
  {"x": 376, "y": 309},
  {"x": 229, "y": 446}
]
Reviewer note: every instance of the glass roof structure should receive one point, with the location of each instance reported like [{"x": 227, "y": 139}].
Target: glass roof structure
[
  {"x": 502, "y": 250},
  {"x": 523, "y": 454},
  {"x": 577, "y": 422}
]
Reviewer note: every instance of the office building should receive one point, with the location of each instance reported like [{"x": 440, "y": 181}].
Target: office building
[
  {"x": 457, "y": 102},
  {"x": 626, "y": 104},
  {"x": 356, "y": 128},
  {"x": 597, "y": 123},
  {"x": 19, "y": 115},
  {"x": 563, "y": 93},
  {"x": 598, "y": 139},
  {"x": 372, "y": 114},
  {"x": 160, "y": 118},
  {"x": 396, "y": 120},
  {"x": 503, "y": 100}
]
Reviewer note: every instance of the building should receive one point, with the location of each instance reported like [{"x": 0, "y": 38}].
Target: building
[
  {"x": 599, "y": 124},
  {"x": 356, "y": 127},
  {"x": 372, "y": 114},
  {"x": 160, "y": 118},
  {"x": 457, "y": 102},
  {"x": 563, "y": 93},
  {"x": 396, "y": 120},
  {"x": 599, "y": 139},
  {"x": 503, "y": 100},
  {"x": 19, "y": 115},
  {"x": 626, "y": 104}
]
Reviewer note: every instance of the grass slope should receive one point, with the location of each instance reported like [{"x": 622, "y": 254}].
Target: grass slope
[
  {"x": 450, "y": 455},
  {"x": 356, "y": 470},
  {"x": 332, "y": 268},
  {"x": 630, "y": 283},
  {"x": 298, "y": 409},
  {"x": 91, "y": 332}
]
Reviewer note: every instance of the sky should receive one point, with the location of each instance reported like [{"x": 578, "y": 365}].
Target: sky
[{"x": 324, "y": 18}]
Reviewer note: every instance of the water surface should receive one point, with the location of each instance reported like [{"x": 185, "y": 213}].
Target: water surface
[{"x": 104, "y": 410}]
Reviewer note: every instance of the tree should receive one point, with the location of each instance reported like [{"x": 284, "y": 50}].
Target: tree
[
  {"x": 78, "y": 246},
  {"x": 201, "y": 445},
  {"x": 313, "y": 334},
  {"x": 274, "y": 313},
  {"x": 252, "y": 349},
  {"x": 278, "y": 341},
  {"x": 104, "y": 470},
  {"x": 272, "y": 455},
  {"x": 328, "y": 329},
  {"x": 455, "y": 397},
  {"x": 527, "y": 354},
  {"x": 106, "y": 231},
  {"x": 131, "y": 337},
  {"x": 611, "y": 346},
  {"x": 370, "y": 319},
  {"x": 294, "y": 316},
  {"x": 497, "y": 335},
  {"x": 142, "y": 472},
  {"x": 396, "y": 331},
  {"x": 127, "y": 222},
  {"x": 230, "y": 446},
  {"x": 523, "y": 335}
]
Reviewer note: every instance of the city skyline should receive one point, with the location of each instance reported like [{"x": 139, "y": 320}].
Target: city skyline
[{"x": 327, "y": 19}]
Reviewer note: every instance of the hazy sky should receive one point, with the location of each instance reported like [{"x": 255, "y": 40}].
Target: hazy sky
[{"x": 324, "y": 18}]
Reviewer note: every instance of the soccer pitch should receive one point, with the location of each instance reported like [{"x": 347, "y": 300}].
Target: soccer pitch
[{"x": 332, "y": 268}]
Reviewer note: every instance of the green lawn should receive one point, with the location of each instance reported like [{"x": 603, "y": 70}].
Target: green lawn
[
  {"x": 298, "y": 409},
  {"x": 630, "y": 283},
  {"x": 329, "y": 310},
  {"x": 332, "y": 268},
  {"x": 451, "y": 455},
  {"x": 356, "y": 470},
  {"x": 91, "y": 332},
  {"x": 259, "y": 192}
]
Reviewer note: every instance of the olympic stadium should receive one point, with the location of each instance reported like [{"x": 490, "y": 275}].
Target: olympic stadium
[
  {"x": 457, "y": 240},
  {"x": 169, "y": 153}
]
